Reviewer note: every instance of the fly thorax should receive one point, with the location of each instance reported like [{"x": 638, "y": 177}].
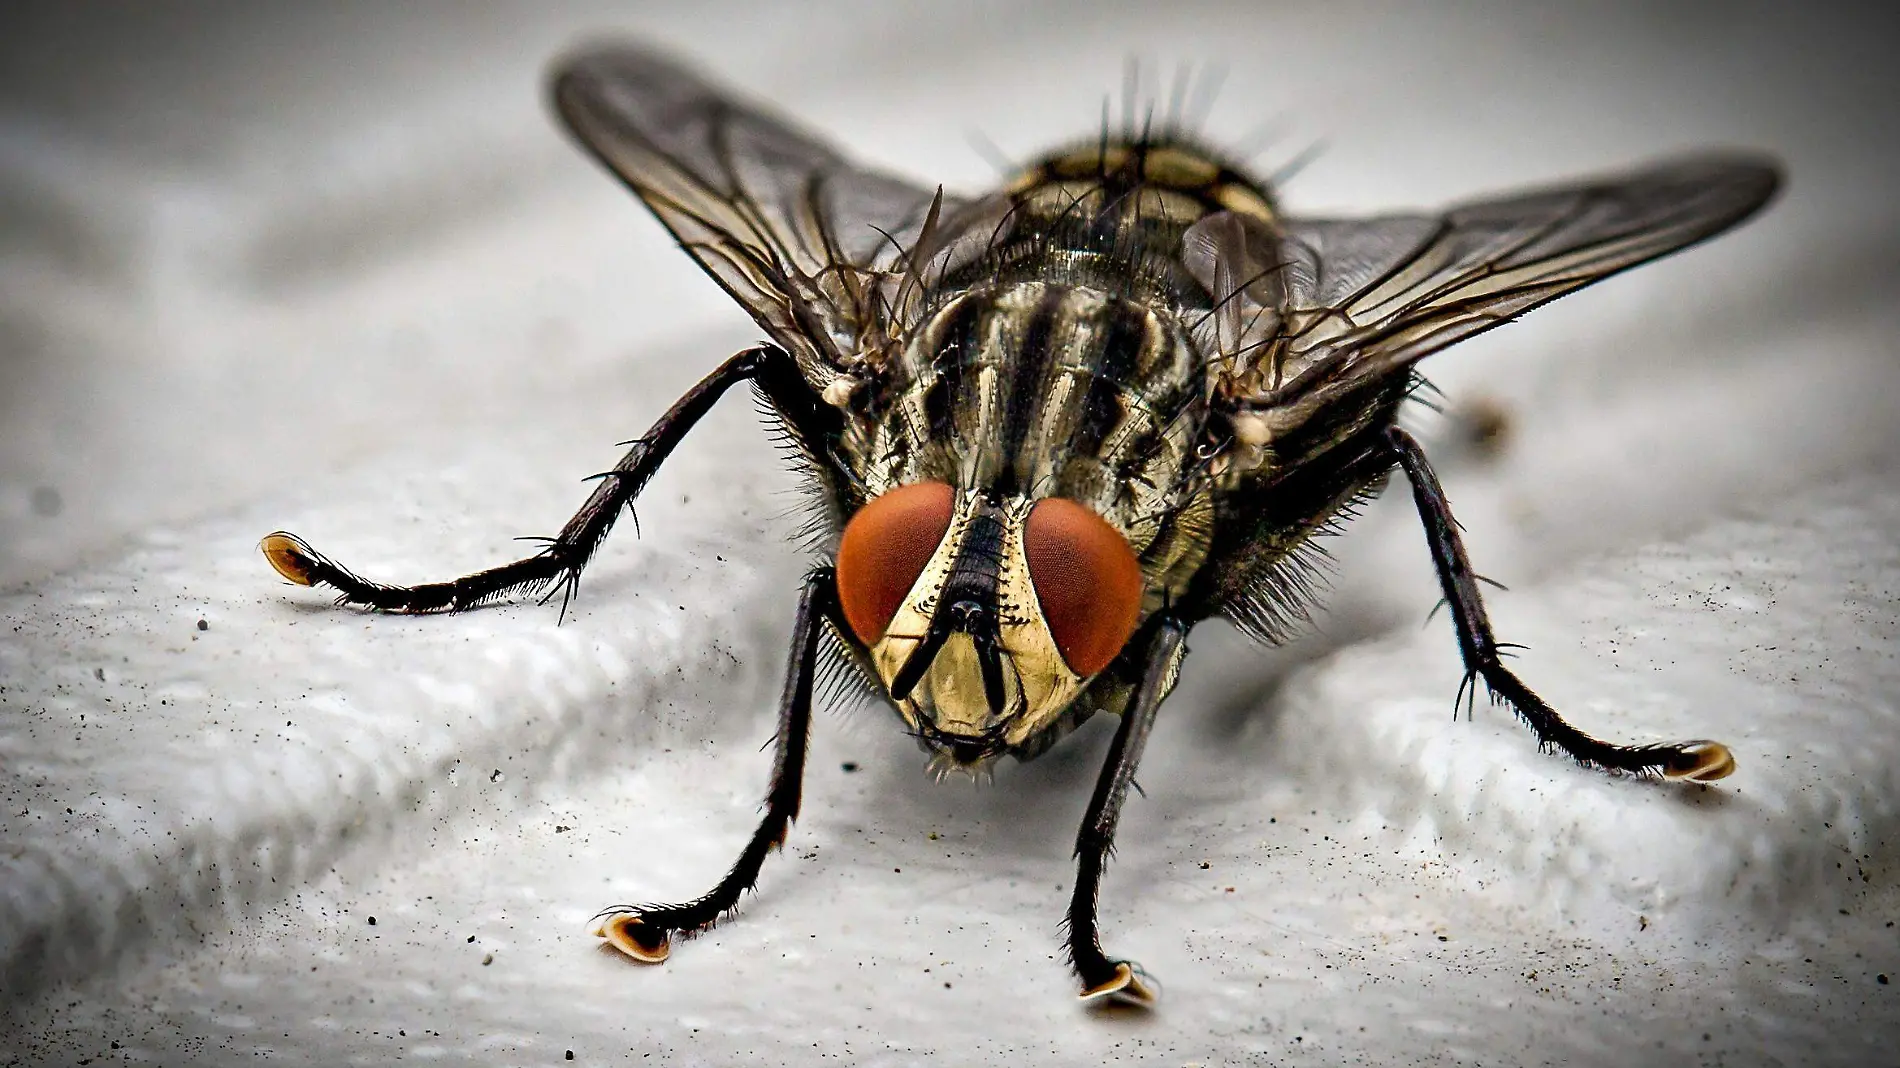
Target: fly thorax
[
  {"x": 1016, "y": 607},
  {"x": 1044, "y": 388}
]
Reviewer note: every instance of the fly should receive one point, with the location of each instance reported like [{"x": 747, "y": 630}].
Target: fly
[{"x": 1055, "y": 426}]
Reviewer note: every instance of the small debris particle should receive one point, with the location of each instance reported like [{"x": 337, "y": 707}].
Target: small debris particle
[
  {"x": 852, "y": 765},
  {"x": 934, "y": 836},
  {"x": 946, "y": 986},
  {"x": 1444, "y": 938},
  {"x": 99, "y": 673},
  {"x": 495, "y": 776},
  {"x": 1642, "y": 923},
  {"x": 372, "y": 921},
  {"x": 487, "y": 959},
  {"x": 1230, "y": 889},
  {"x": 1486, "y": 426},
  {"x": 1881, "y": 978},
  {"x": 1205, "y": 865},
  {"x": 570, "y": 1055},
  {"x": 202, "y": 625},
  {"x": 471, "y": 940},
  {"x": 899, "y": 871},
  {"x": 562, "y": 828}
]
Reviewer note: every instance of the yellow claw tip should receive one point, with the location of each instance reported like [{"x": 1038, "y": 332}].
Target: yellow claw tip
[
  {"x": 1702, "y": 761},
  {"x": 618, "y": 931},
  {"x": 290, "y": 556},
  {"x": 1128, "y": 987}
]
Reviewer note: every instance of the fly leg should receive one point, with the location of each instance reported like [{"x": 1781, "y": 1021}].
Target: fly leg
[
  {"x": 644, "y": 932},
  {"x": 1118, "y": 980},
  {"x": 558, "y": 565},
  {"x": 1697, "y": 761}
]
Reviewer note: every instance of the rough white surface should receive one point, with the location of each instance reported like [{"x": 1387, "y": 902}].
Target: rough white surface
[{"x": 373, "y": 299}]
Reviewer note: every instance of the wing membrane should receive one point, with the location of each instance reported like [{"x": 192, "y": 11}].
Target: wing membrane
[
  {"x": 1318, "y": 309},
  {"x": 797, "y": 234}
]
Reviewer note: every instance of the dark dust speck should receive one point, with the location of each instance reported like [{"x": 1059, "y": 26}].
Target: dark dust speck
[
  {"x": 202, "y": 625},
  {"x": 849, "y": 765}
]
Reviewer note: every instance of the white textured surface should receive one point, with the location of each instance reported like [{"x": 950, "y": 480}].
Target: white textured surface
[{"x": 374, "y": 299}]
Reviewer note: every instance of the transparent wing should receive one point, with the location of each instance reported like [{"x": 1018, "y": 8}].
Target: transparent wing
[
  {"x": 808, "y": 243},
  {"x": 1311, "y": 312}
]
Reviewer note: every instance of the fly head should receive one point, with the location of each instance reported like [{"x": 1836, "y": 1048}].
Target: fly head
[{"x": 985, "y": 615}]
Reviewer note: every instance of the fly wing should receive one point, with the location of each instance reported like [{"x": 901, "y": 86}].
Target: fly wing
[
  {"x": 810, "y": 244},
  {"x": 1319, "y": 308}
]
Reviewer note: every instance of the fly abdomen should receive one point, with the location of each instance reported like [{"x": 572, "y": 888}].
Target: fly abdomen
[{"x": 1177, "y": 174}]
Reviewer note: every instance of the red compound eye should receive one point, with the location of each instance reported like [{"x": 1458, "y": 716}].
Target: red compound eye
[
  {"x": 1087, "y": 579},
  {"x": 885, "y": 548}
]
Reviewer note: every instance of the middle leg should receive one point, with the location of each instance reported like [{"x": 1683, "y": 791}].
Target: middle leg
[
  {"x": 557, "y": 566},
  {"x": 1697, "y": 761}
]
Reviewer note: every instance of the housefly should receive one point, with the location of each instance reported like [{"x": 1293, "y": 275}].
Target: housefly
[{"x": 1054, "y": 426}]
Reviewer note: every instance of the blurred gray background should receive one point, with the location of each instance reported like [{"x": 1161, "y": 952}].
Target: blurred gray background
[{"x": 334, "y": 268}]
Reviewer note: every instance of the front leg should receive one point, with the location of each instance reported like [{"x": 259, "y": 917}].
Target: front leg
[
  {"x": 644, "y": 932},
  {"x": 1696, "y": 761},
  {"x": 558, "y": 565},
  {"x": 1118, "y": 980}
]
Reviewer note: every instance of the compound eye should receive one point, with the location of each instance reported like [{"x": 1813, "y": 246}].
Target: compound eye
[
  {"x": 1087, "y": 580},
  {"x": 885, "y": 548}
]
